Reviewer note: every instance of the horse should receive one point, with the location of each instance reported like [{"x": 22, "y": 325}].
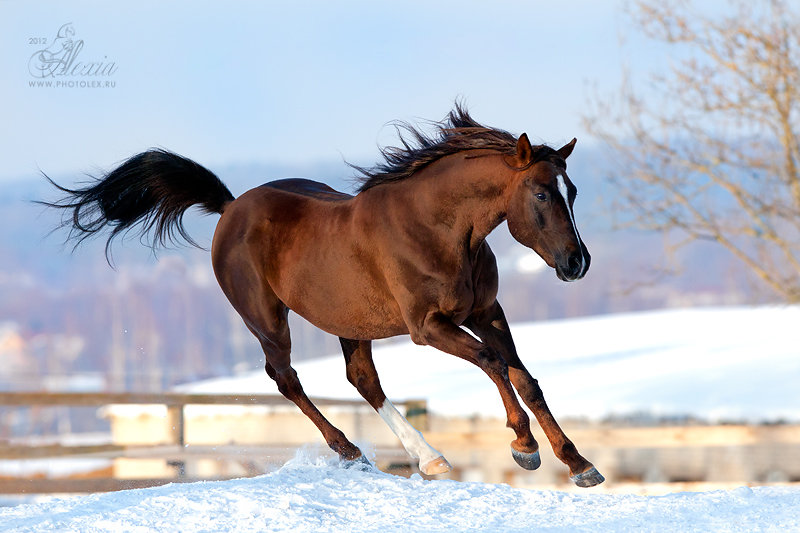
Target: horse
[{"x": 405, "y": 255}]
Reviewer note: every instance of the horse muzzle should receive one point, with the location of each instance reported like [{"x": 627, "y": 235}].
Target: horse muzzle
[{"x": 573, "y": 266}]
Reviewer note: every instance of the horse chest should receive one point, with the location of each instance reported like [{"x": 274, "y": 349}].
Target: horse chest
[
  {"x": 449, "y": 291},
  {"x": 457, "y": 298}
]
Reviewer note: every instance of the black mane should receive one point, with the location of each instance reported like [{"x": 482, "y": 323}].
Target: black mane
[{"x": 456, "y": 133}]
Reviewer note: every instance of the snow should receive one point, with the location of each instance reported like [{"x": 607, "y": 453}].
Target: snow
[
  {"x": 317, "y": 495},
  {"x": 716, "y": 363},
  {"x": 736, "y": 363}
]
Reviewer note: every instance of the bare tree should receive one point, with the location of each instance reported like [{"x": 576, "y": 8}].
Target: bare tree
[{"x": 712, "y": 152}]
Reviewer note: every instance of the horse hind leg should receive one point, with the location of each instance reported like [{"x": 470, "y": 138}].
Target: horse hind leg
[
  {"x": 272, "y": 330},
  {"x": 266, "y": 316},
  {"x": 361, "y": 373},
  {"x": 289, "y": 385}
]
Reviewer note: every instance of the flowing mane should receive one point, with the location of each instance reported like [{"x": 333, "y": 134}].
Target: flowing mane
[{"x": 456, "y": 133}]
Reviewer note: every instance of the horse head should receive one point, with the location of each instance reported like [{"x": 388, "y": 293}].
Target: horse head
[{"x": 539, "y": 210}]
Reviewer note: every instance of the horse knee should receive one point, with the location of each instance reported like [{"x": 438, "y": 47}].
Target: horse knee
[
  {"x": 287, "y": 382},
  {"x": 419, "y": 337},
  {"x": 518, "y": 420},
  {"x": 493, "y": 364}
]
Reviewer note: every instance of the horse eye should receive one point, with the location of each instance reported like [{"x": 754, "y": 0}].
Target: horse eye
[{"x": 542, "y": 197}]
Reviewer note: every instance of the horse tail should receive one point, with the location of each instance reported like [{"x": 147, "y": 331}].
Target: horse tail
[{"x": 152, "y": 189}]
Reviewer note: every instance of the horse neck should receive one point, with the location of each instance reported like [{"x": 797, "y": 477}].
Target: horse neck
[{"x": 465, "y": 192}]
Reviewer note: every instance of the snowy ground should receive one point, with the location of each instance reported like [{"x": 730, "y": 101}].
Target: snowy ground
[
  {"x": 714, "y": 363},
  {"x": 317, "y": 495}
]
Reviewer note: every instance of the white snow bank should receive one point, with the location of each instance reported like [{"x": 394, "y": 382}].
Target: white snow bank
[
  {"x": 715, "y": 363},
  {"x": 319, "y": 495}
]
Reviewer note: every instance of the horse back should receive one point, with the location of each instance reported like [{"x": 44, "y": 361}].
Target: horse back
[{"x": 310, "y": 188}]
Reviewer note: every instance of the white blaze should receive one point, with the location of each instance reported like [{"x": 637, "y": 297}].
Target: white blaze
[{"x": 562, "y": 188}]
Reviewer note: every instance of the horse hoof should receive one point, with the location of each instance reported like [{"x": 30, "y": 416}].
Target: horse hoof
[
  {"x": 588, "y": 478},
  {"x": 436, "y": 466},
  {"x": 528, "y": 461},
  {"x": 359, "y": 463}
]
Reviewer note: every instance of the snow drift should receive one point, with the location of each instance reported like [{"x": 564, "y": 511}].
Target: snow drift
[{"x": 318, "y": 495}]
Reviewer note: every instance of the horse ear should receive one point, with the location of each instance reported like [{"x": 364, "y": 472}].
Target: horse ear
[
  {"x": 524, "y": 150},
  {"x": 523, "y": 153},
  {"x": 565, "y": 150}
]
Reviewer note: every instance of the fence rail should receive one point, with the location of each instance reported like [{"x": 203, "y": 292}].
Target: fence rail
[
  {"x": 98, "y": 399},
  {"x": 176, "y": 453}
]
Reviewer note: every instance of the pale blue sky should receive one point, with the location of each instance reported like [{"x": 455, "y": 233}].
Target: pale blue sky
[{"x": 299, "y": 82}]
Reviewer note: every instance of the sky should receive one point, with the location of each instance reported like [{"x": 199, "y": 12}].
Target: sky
[{"x": 293, "y": 83}]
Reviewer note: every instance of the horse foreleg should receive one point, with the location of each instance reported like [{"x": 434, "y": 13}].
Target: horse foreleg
[
  {"x": 362, "y": 374},
  {"x": 491, "y": 326},
  {"x": 438, "y": 331}
]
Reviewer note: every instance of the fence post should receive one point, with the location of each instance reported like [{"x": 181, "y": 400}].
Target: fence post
[{"x": 177, "y": 424}]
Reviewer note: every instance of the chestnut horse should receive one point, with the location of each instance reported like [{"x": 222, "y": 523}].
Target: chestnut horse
[{"x": 406, "y": 255}]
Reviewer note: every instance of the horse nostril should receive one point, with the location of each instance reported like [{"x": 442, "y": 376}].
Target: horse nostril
[{"x": 574, "y": 262}]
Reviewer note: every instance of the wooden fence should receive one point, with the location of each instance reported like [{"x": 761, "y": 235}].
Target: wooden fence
[{"x": 175, "y": 453}]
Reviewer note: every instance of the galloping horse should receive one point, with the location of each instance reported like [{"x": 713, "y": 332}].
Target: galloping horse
[{"x": 406, "y": 255}]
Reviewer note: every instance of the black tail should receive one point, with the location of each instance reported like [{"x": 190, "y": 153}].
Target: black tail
[{"x": 152, "y": 189}]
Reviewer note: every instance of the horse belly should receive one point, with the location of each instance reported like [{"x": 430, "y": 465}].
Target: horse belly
[
  {"x": 329, "y": 281},
  {"x": 347, "y": 308}
]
